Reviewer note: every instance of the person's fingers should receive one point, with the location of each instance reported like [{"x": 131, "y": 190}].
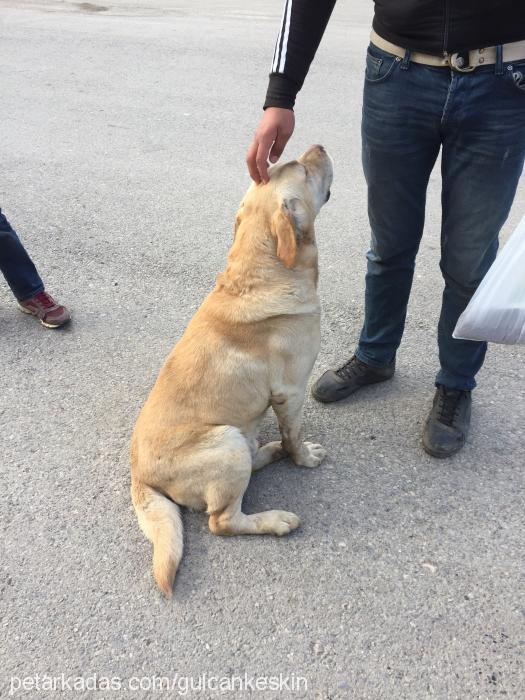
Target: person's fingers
[
  {"x": 278, "y": 147},
  {"x": 263, "y": 150},
  {"x": 251, "y": 158},
  {"x": 271, "y": 137}
]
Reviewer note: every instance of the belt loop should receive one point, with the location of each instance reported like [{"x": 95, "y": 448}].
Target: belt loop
[
  {"x": 405, "y": 63},
  {"x": 499, "y": 60}
]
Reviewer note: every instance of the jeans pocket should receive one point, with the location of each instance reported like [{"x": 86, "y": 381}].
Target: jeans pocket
[{"x": 379, "y": 67}]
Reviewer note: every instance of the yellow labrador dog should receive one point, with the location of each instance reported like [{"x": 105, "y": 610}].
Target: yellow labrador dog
[{"x": 251, "y": 345}]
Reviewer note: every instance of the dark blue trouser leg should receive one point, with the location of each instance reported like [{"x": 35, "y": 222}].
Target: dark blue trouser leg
[
  {"x": 409, "y": 111},
  {"x": 16, "y": 265},
  {"x": 483, "y": 154},
  {"x": 401, "y": 141}
]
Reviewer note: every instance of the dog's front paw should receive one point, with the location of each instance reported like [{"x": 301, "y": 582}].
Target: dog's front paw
[{"x": 311, "y": 455}]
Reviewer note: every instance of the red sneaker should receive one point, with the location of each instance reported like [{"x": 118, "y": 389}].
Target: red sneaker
[{"x": 44, "y": 307}]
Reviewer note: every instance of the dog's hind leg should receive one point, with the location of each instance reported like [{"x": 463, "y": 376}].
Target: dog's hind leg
[
  {"x": 232, "y": 521},
  {"x": 225, "y": 491}
]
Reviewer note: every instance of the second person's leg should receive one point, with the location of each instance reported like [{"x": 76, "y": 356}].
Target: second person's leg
[
  {"x": 16, "y": 265},
  {"x": 24, "y": 280}
]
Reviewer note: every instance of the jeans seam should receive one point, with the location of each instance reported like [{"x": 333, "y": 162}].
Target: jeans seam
[{"x": 449, "y": 96}]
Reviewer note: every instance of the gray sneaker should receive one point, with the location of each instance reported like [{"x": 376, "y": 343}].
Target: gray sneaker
[
  {"x": 335, "y": 385},
  {"x": 448, "y": 422}
]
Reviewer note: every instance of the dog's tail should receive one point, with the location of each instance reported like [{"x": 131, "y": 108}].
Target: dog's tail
[{"x": 159, "y": 519}]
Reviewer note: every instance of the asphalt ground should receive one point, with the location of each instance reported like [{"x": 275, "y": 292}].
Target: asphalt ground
[{"x": 123, "y": 134}]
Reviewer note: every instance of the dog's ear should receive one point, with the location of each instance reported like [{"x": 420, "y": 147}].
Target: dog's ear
[{"x": 287, "y": 226}]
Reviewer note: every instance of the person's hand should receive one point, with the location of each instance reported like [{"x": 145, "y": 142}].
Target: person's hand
[{"x": 273, "y": 132}]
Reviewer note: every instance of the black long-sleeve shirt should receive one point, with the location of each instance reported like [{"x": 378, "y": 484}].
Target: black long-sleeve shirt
[{"x": 431, "y": 26}]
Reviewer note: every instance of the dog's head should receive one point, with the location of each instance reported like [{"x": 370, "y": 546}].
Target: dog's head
[{"x": 289, "y": 203}]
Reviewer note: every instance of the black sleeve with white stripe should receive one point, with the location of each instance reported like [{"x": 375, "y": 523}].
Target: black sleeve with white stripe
[{"x": 302, "y": 28}]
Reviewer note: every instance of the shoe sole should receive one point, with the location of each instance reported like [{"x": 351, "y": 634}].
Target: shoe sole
[
  {"x": 44, "y": 323},
  {"x": 441, "y": 455},
  {"x": 54, "y": 325},
  {"x": 345, "y": 394}
]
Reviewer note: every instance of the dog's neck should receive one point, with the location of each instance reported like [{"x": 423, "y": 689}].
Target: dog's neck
[{"x": 257, "y": 285}]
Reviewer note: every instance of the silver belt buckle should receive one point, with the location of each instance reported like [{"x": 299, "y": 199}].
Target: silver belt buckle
[{"x": 457, "y": 62}]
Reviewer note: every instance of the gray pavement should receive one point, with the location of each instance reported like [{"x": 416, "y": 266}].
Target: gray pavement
[{"x": 123, "y": 133}]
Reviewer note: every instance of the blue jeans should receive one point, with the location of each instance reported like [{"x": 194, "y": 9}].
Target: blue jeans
[
  {"x": 410, "y": 111},
  {"x": 16, "y": 265}
]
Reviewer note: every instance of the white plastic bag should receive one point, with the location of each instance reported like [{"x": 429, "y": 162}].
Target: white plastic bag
[{"x": 496, "y": 312}]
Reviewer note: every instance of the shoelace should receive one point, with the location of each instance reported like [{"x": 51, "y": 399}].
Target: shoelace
[
  {"x": 448, "y": 404},
  {"x": 47, "y": 301},
  {"x": 352, "y": 368}
]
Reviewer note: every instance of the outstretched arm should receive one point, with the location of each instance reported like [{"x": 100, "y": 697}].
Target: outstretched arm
[{"x": 302, "y": 27}]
